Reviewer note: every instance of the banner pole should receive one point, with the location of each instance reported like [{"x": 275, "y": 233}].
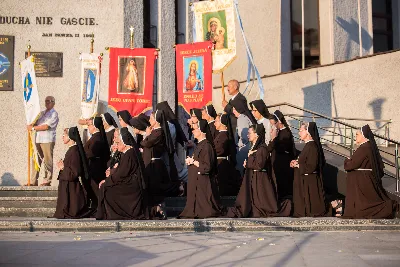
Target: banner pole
[
  {"x": 92, "y": 44},
  {"x": 29, "y": 136},
  {"x": 132, "y": 37},
  {"x": 223, "y": 86}
]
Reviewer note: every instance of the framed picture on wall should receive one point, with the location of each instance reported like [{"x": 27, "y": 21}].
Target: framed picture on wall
[{"x": 6, "y": 63}]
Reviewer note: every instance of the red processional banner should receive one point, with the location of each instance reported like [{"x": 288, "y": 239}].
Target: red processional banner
[
  {"x": 131, "y": 79},
  {"x": 194, "y": 74}
]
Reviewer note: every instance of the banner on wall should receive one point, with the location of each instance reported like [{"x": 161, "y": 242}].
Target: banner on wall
[
  {"x": 194, "y": 74},
  {"x": 215, "y": 22},
  {"x": 90, "y": 84},
  {"x": 131, "y": 79}
]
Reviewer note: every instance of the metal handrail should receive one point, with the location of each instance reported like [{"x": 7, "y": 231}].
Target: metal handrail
[
  {"x": 339, "y": 118},
  {"x": 351, "y": 128},
  {"x": 331, "y": 119}
]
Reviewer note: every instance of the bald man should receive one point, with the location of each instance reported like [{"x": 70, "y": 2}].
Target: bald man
[
  {"x": 233, "y": 91},
  {"x": 45, "y": 128}
]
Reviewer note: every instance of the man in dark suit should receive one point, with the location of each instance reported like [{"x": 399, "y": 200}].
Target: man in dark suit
[{"x": 233, "y": 91}]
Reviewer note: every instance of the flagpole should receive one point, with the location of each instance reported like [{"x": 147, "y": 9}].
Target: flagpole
[
  {"x": 223, "y": 86},
  {"x": 359, "y": 27},
  {"x": 29, "y": 136}
]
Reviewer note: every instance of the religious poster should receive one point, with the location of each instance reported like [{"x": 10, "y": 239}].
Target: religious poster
[
  {"x": 194, "y": 74},
  {"x": 6, "y": 63},
  {"x": 215, "y": 22},
  {"x": 30, "y": 93},
  {"x": 90, "y": 84},
  {"x": 131, "y": 79}
]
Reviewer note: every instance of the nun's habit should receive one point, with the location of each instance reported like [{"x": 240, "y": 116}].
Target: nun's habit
[
  {"x": 71, "y": 200},
  {"x": 123, "y": 195},
  {"x": 244, "y": 121},
  {"x": 178, "y": 136},
  {"x": 228, "y": 178},
  {"x": 228, "y": 108},
  {"x": 283, "y": 152},
  {"x": 107, "y": 118},
  {"x": 140, "y": 123},
  {"x": 154, "y": 146},
  {"x": 202, "y": 194},
  {"x": 210, "y": 110},
  {"x": 260, "y": 106},
  {"x": 365, "y": 196},
  {"x": 257, "y": 195},
  {"x": 98, "y": 154},
  {"x": 126, "y": 117},
  {"x": 308, "y": 188}
]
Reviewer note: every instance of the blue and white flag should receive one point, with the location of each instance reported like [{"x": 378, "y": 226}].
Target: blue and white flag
[
  {"x": 31, "y": 94},
  {"x": 90, "y": 84}
]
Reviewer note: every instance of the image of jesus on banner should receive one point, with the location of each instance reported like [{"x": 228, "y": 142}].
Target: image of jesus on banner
[
  {"x": 194, "y": 71},
  {"x": 131, "y": 81}
]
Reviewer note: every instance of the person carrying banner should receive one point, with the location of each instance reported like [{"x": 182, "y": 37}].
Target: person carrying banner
[
  {"x": 71, "y": 200},
  {"x": 233, "y": 91},
  {"x": 45, "y": 128},
  {"x": 208, "y": 113}
]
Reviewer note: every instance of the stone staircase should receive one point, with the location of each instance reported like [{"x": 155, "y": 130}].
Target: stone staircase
[{"x": 36, "y": 201}]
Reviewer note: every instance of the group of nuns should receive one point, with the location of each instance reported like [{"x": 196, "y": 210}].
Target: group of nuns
[{"x": 127, "y": 172}]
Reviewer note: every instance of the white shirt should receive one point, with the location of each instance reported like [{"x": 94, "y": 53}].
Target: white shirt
[
  {"x": 233, "y": 97},
  {"x": 49, "y": 118}
]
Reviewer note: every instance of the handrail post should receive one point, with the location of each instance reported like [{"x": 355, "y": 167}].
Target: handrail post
[
  {"x": 351, "y": 142},
  {"x": 386, "y": 135},
  {"x": 345, "y": 134},
  {"x": 396, "y": 155}
]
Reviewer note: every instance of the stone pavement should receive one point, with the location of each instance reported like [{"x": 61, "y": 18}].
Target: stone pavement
[{"x": 363, "y": 248}]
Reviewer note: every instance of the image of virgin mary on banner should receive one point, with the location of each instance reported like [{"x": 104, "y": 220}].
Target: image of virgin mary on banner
[
  {"x": 194, "y": 74},
  {"x": 215, "y": 22},
  {"x": 131, "y": 79},
  {"x": 90, "y": 84}
]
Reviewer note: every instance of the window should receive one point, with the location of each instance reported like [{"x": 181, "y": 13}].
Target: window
[
  {"x": 311, "y": 34},
  {"x": 382, "y": 25}
]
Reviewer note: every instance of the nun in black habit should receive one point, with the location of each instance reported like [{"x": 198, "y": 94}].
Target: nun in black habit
[
  {"x": 365, "y": 196},
  {"x": 178, "y": 171},
  {"x": 157, "y": 142},
  {"x": 244, "y": 120},
  {"x": 308, "y": 188},
  {"x": 257, "y": 195},
  {"x": 209, "y": 114},
  {"x": 139, "y": 124},
  {"x": 262, "y": 115},
  {"x": 123, "y": 193},
  {"x": 97, "y": 153},
  {"x": 71, "y": 201},
  {"x": 283, "y": 152},
  {"x": 195, "y": 117},
  {"x": 202, "y": 194},
  {"x": 228, "y": 178},
  {"x": 109, "y": 126},
  {"x": 124, "y": 118}
]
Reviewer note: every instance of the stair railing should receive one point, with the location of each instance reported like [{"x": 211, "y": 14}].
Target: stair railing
[{"x": 340, "y": 121}]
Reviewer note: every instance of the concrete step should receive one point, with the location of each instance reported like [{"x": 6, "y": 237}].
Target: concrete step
[
  {"x": 26, "y": 212},
  {"x": 28, "y": 202},
  {"x": 205, "y": 225},
  {"x": 28, "y": 191}
]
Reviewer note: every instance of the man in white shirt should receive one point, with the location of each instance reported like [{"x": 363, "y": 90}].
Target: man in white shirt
[{"x": 45, "y": 128}]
